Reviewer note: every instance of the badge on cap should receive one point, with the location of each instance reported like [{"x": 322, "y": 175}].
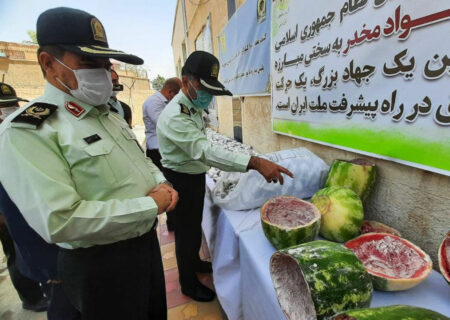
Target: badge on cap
[
  {"x": 98, "y": 30},
  {"x": 74, "y": 109},
  {"x": 6, "y": 90},
  {"x": 215, "y": 70}
]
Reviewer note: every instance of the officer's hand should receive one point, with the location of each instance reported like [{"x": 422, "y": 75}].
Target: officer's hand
[
  {"x": 173, "y": 193},
  {"x": 271, "y": 171},
  {"x": 162, "y": 198}
]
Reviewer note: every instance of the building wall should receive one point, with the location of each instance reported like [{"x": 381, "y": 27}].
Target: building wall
[
  {"x": 414, "y": 201},
  {"x": 178, "y": 38},
  {"x": 21, "y": 70}
]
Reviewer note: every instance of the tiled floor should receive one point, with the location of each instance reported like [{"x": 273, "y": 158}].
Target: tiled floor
[{"x": 180, "y": 307}]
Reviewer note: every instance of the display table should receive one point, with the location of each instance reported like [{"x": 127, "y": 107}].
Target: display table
[
  {"x": 222, "y": 229},
  {"x": 259, "y": 299}
]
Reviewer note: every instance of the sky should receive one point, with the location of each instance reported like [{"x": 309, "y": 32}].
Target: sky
[{"x": 141, "y": 27}]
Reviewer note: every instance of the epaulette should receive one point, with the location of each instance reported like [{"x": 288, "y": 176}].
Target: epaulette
[
  {"x": 34, "y": 115},
  {"x": 184, "y": 109}
]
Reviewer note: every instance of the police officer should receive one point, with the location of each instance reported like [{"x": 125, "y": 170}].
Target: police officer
[
  {"x": 115, "y": 104},
  {"x": 29, "y": 291},
  {"x": 187, "y": 155},
  {"x": 66, "y": 165}
]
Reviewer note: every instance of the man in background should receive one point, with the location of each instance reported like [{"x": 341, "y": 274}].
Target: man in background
[
  {"x": 117, "y": 106},
  {"x": 152, "y": 108},
  {"x": 29, "y": 291}
]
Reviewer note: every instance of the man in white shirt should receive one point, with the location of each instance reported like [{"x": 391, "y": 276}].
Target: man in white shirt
[{"x": 151, "y": 110}]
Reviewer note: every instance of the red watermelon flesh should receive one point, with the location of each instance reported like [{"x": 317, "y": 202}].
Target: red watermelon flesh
[
  {"x": 444, "y": 258},
  {"x": 289, "y": 212},
  {"x": 394, "y": 263}
]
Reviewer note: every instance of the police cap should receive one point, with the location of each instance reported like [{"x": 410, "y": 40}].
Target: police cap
[
  {"x": 79, "y": 32},
  {"x": 8, "y": 95},
  {"x": 206, "y": 67}
]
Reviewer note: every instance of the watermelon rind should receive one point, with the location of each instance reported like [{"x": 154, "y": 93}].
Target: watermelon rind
[
  {"x": 318, "y": 279},
  {"x": 358, "y": 175},
  {"x": 385, "y": 283},
  {"x": 395, "y": 312},
  {"x": 283, "y": 237},
  {"x": 442, "y": 256},
  {"x": 375, "y": 226},
  {"x": 342, "y": 213}
]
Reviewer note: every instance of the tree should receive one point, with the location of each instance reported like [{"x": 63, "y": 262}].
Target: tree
[
  {"x": 32, "y": 35},
  {"x": 158, "y": 82}
]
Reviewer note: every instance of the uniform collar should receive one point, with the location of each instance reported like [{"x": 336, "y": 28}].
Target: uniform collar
[
  {"x": 67, "y": 102},
  {"x": 182, "y": 98}
]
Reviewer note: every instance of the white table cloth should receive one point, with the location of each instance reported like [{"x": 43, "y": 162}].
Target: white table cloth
[{"x": 259, "y": 299}]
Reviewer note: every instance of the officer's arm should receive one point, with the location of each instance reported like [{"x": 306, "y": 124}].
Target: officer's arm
[
  {"x": 38, "y": 179},
  {"x": 187, "y": 136}
]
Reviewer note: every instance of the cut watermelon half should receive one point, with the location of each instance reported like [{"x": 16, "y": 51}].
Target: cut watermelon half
[
  {"x": 375, "y": 226},
  {"x": 289, "y": 221},
  {"x": 444, "y": 257},
  {"x": 394, "y": 263}
]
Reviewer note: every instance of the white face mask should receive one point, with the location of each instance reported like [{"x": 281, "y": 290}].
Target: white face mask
[
  {"x": 114, "y": 93},
  {"x": 94, "y": 85},
  {"x": 4, "y": 112}
]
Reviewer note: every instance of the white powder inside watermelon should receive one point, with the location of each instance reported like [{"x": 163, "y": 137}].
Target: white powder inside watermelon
[
  {"x": 390, "y": 257},
  {"x": 289, "y": 212}
]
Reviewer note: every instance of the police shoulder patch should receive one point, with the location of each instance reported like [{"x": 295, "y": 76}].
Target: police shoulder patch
[
  {"x": 184, "y": 109},
  {"x": 35, "y": 114}
]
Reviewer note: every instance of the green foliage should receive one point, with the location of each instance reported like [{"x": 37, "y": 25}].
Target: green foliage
[
  {"x": 32, "y": 35},
  {"x": 158, "y": 82}
]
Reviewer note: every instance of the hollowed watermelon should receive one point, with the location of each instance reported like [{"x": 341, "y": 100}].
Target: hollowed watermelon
[
  {"x": 444, "y": 257},
  {"x": 397, "y": 312},
  {"x": 342, "y": 213},
  {"x": 375, "y": 226},
  {"x": 315, "y": 280},
  {"x": 394, "y": 263},
  {"x": 358, "y": 175},
  {"x": 288, "y": 221}
]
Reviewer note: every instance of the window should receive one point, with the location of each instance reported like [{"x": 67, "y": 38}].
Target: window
[{"x": 231, "y": 8}]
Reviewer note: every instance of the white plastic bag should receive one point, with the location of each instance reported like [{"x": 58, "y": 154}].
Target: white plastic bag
[{"x": 249, "y": 190}]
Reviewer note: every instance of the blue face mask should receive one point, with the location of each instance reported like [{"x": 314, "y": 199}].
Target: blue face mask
[{"x": 203, "y": 98}]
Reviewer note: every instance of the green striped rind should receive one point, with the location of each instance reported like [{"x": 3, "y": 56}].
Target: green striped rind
[
  {"x": 359, "y": 178},
  {"x": 442, "y": 262},
  {"x": 284, "y": 238},
  {"x": 336, "y": 278},
  {"x": 397, "y": 312},
  {"x": 342, "y": 213}
]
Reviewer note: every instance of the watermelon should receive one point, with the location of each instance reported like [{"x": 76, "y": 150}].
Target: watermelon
[
  {"x": 342, "y": 213},
  {"x": 398, "y": 312},
  {"x": 394, "y": 263},
  {"x": 358, "y": 175},
  {"x": 288, "y": 221},
  {"x": 444, "y": 257},
  {"x": 318, "y": 279},
  {"x": 375, "y": 226}
]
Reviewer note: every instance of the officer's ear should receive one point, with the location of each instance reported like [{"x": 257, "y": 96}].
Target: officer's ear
[
  {"x": 47, "y": 63},
  {"x": 185, "y": 81}
]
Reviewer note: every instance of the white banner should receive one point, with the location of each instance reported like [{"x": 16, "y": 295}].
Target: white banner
[{"x": 371, "y": 76}]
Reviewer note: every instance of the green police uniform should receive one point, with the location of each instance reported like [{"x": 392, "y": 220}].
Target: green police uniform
[
  {"x": 183, "y": 144},
  {"x": 186, "y": 156},
  {"x": 82, "y": 179}
]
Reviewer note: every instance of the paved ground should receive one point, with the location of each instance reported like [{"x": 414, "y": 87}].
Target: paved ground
[{"x": 180, "y": 307}]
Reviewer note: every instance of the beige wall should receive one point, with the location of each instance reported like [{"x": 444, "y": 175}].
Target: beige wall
[
  {"x": 178, "y": 37},
  {"x": 21, "y": 70}
]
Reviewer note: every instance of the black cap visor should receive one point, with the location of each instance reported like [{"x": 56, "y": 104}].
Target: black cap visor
[
  {"x": 6, "y": 101},
  {"x": 100, "y": 52},
  {"x": 214, "y": 87}
]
